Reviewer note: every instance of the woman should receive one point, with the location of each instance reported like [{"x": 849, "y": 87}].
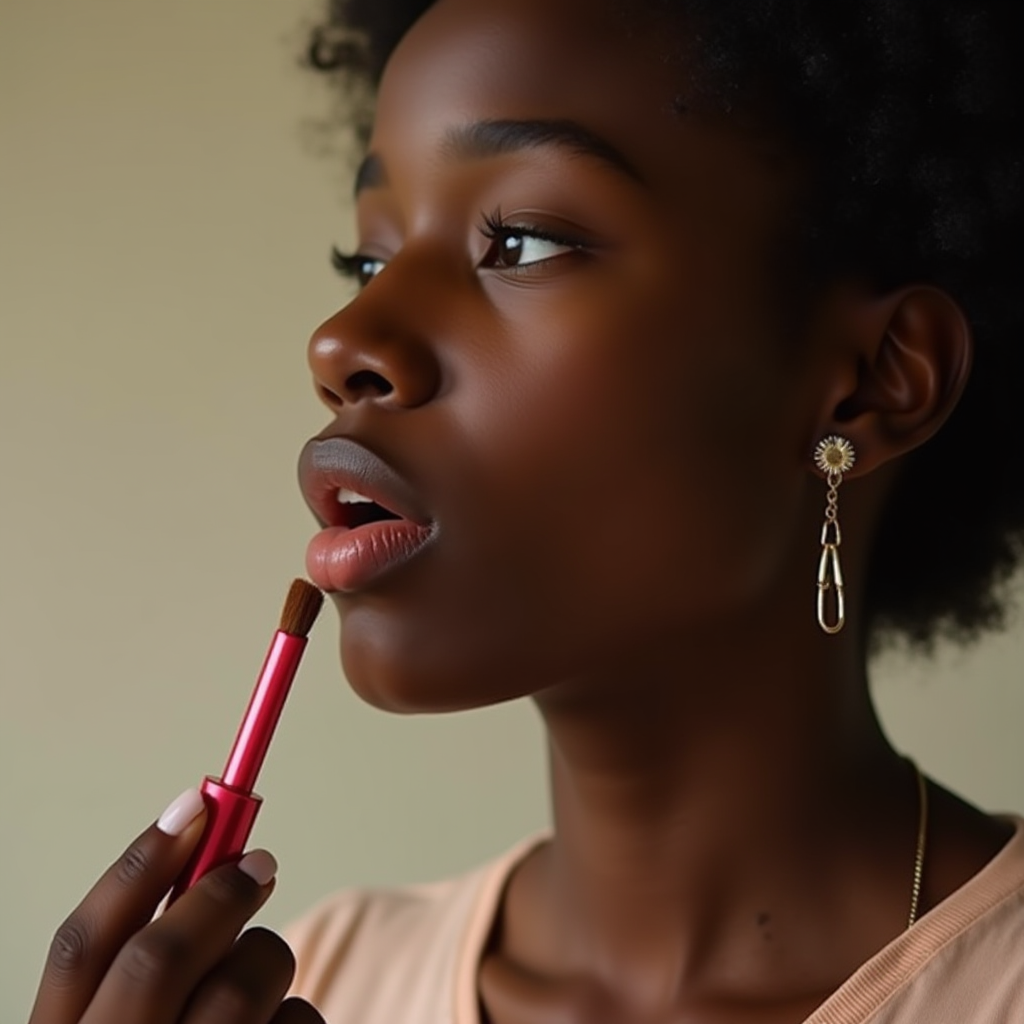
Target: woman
[{"x": 665, "y": 309}]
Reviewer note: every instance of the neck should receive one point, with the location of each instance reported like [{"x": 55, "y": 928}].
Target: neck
[{"x": 706, "y": 806}]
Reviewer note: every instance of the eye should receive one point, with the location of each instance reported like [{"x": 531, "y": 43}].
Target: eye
[
  {"x": 518, "y": 246},
  {"x": 357, "y": 267}
]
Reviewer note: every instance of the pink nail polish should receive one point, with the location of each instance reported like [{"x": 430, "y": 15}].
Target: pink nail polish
[
  {"x": 181, "y": 813},
  {"x": 259, "y": 866}
]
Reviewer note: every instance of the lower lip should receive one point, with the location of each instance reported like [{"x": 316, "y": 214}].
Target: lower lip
[{"x": 340, "y": 559}]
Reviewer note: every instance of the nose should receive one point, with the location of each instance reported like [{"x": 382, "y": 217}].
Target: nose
[{"x": 362, "y": 355}]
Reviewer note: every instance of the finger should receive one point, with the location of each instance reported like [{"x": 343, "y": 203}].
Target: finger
[
  {"x": 297, "y": 1011},
  {"x": 248, "y": 985},
  {"x": 158, "y": 968},
  {"x": 118, "y": 905}
]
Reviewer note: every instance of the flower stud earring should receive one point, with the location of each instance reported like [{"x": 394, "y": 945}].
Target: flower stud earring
[{"x": 834, "y": 456}]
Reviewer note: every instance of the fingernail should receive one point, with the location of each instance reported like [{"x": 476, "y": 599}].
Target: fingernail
[
  {"x": 259, "y": 866},
  {"x": 181, "y": 812}
]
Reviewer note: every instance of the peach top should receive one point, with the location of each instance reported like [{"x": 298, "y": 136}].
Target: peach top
[{"x": 410, "y": 955}]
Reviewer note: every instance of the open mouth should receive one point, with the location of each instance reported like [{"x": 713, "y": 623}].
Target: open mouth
[
  {"x": 372, "y": 520},
  {"x": 348, "y": 486},
  {"x": 358, "y": 510}
]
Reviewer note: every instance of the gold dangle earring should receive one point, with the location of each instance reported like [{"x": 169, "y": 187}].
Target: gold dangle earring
[{"x": 834, "y": 456}]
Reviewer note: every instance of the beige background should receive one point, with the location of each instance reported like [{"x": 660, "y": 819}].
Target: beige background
[{"x": 164, "y": 232}]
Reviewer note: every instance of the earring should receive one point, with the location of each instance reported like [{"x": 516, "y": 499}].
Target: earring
[{"x": 834, "y": 456}]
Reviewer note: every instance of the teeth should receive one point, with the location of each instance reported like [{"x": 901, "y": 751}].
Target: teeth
[{"x": 352, "y": 498}]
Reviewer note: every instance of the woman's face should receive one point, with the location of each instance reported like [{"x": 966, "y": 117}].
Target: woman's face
[{"x": 571, "y": 356}]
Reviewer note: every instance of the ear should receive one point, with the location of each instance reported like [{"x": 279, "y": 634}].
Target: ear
[{"x": 901, "y": 374}]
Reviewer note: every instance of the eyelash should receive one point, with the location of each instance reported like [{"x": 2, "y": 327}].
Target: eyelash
[
  {"x": 496, "y": 228},
  {"x": 493, "y": 226},
  {"x": 352, "y": 265}
]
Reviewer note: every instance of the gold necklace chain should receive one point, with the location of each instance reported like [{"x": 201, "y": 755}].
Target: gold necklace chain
[{"x": 922, "y": 832}]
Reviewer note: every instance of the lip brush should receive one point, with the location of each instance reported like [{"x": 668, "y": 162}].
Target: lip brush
[{"x": 231, "y": 804}]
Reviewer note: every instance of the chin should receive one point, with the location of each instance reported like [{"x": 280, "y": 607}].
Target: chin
[{"x": 405, "y": 676}]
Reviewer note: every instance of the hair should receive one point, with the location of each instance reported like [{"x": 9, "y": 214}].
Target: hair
[{"x": 908, "y": 112}]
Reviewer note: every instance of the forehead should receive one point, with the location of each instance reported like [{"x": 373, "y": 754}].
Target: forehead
[
  {"x": 610, "y": 66},
  {"x": 534, "y": 41},
  {"x": 468, "y": 60},
  {"x": 584, "y": 64}
]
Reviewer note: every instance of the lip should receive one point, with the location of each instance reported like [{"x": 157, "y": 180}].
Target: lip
[{"x": 345, "y": 558}]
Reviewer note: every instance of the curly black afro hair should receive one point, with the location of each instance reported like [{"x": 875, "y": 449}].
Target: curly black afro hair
[{"x": 909, "y": 111}]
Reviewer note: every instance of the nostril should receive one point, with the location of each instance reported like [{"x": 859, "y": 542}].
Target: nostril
[
  {"x": 368, "y": 383},
  {"x": 327, "y": 396}
]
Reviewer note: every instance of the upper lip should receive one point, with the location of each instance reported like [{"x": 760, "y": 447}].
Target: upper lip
[{"x": 328, "y": 465}]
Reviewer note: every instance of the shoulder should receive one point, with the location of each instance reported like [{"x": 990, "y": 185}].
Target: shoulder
[
  {"x": 396, "y": 955},
  {"x": 976, "y": 940},
  {"x": 344, "y": 938},
  {"x": 962, "y": 961}
]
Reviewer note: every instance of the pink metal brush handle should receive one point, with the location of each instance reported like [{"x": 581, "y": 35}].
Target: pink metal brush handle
[
  {"x": 231, "y": 804},
  {"x": 264, "y": 710}
]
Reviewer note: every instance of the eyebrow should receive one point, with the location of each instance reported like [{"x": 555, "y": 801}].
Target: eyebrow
[{"x": 482, "y": 139}]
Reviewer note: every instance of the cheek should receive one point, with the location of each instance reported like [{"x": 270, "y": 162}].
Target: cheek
[{"x": 638, "y": 440}]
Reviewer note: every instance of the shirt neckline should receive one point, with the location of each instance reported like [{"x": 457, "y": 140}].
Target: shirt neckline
[{"x": 874, "y": 982}]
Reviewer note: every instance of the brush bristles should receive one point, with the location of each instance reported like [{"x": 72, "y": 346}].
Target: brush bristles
[{"x": 301, "y": 607}]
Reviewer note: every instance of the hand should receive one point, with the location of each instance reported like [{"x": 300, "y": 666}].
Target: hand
[{"x": 111, "y": 963}]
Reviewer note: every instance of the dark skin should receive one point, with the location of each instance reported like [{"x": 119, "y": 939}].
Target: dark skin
[
  {"x": 610, "y": 415},
  {"x": 110, "y": 961}
]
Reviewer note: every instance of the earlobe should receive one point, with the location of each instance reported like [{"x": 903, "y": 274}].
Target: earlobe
[{"x": 914, "y": 350}]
